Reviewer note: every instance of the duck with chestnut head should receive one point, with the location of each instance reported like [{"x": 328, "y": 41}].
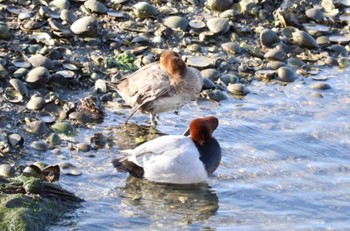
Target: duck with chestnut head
[
  {"x": 176, "y": 159},
  {"x": 159, "y": 87}
]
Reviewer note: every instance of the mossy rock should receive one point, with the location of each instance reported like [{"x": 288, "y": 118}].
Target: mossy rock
[{"x": 20, "y": 210}]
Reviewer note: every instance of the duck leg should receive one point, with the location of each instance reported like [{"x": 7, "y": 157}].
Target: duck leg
[
  {"x": 130, "y": 115},
  {"x": 153, "y": 119}
]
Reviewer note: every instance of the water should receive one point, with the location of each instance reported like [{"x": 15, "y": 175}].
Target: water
[{"x": 285, "y": 166}]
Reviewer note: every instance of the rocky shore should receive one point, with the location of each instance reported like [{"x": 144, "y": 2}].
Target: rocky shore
[{"x": 56, "y": 56}]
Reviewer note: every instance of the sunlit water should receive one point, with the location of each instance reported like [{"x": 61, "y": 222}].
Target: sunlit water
[{"x": 285, "y": 166}]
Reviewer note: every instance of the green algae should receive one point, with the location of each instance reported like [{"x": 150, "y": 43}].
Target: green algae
[
  {"x": 123, "y": 61},
  {"x": 27, "y": 203}
]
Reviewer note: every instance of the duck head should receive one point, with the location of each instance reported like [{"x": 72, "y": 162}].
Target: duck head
[
  {"x": 172, "y": 63},
  {"x": 201, "y": 129}
]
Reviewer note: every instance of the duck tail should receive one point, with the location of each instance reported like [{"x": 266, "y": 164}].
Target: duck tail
[{"x": 118, "y": 164}]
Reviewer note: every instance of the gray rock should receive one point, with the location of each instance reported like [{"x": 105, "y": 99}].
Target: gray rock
[
  {"x": 68, "y": 16},
  {"x": 229, "y": 78},
  {"x": 200, "y": 61},
  {"x": 95, "y": 6},
  {"x": 218, "y": 25},
  {"x": 237, "y": 89},
  {"x": 4, "y": 31},
  {"x": 275, "y": 54},
  {"x": 15, "y": 140},
  {"x": 315, "y": 14},
  {"x": 37, "y": 75},
  {"x": 268, "y": 37},
  {"x": 208, "y": 84},
  {"x": 60, "y": 4},
  {"x": 231, "y": 47},
  {"x": 36, "y": 127},
  {"x": 286, "y": 74},
  {"x": 145, "y": 10},
  {"x": 86, "y": 26},
  {"x": 304, "y": 39},
  {"x": 219, "y": 5},
  {"x": 84, "y": 147},
  {"x": 19, "y": 86},
  {"x": 175, "y": 22},
  {"x": 211, "y": 74},
  {"x": 19, "y": 73},
  {"x": 39, "y": 60},
  {"x": 274, "y": 65},
  {"x": 36, "y": 102},
  {"x": 7, "y": 170},
  {"x": 320, "y": 86}
]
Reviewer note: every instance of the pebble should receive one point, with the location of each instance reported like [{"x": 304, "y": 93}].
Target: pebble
[
  {"x": 36, "y": 102},
  {"x": 237, "y": 89},
  {"x": 320, "y": 86},
  {"x": 39, "y": 145},
  {"x": 211, "y": 74},
  {"x": 36, "y": 127},
  {"x": 84, "y": 147},
  {"x": 208, "y": 84},
  {"x": 231, "y": 47},
  {"x": 145, "y": 10},
  {"x": 200, "y": 61},
  {"x": 54, "y": 139},
  {"x": 229, "y": 78},
  {"x": 96, "y": 6},
  {"x": 219, "y": 5},
  {"x": 218, "y": 25},
  {"x": 39, "y": 60},
  {"x": 15, "y": 140},
  {"x": 4, "y": 31},
  {"x": 69, "y": 169},
  {"x": 19, "y": 86},
  {"x": 7, "y": 170},
  {"x": 268, "y": 37},
  {"x": 85, "y": 26},
  {"x": 275, "y": 54},
  {"x": 176, "y": 22},
  {"x": 37, "y": 75},
  {"x": 65, "y": 128},
  {"x": 304, "y": 39},
  {"x": 286, "y": 74},
  {"x": 60, "y": 4}
]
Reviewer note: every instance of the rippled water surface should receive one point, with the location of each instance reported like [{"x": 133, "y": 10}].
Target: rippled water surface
[{"x": 285, "y": 166}]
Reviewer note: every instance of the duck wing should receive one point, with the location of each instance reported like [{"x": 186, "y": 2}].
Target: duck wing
[
  {"x": 144, "y": 85},
  {"x": 169, "y": 159}
]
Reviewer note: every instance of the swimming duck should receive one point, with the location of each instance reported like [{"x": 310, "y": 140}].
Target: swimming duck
[
  {"x": 158, "y": 87},
  {"x": 176, "y": 159}
]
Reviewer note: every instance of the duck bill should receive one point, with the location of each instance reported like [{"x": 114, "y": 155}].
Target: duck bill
[{"x": 187, "y": 132}]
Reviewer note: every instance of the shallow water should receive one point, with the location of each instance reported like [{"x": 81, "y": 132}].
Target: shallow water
[{"x": 285, "y": 166}]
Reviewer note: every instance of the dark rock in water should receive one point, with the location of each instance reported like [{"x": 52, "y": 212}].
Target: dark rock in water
[
  {"x": 320, "y": 86},
  {"x": 286, "y": 74},
  {"x": 15, "y": 140},
  {"x": 36, "y": 127},
  {"x": 237, "y": 89}
]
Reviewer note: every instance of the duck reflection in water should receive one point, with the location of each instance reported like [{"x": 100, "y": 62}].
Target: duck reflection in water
[{"x": 158, "y": 201}]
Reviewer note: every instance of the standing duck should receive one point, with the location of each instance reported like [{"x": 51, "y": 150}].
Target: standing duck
[
  {"x": 158, "y": 87},
  {"x": 176, "y": 159}
]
